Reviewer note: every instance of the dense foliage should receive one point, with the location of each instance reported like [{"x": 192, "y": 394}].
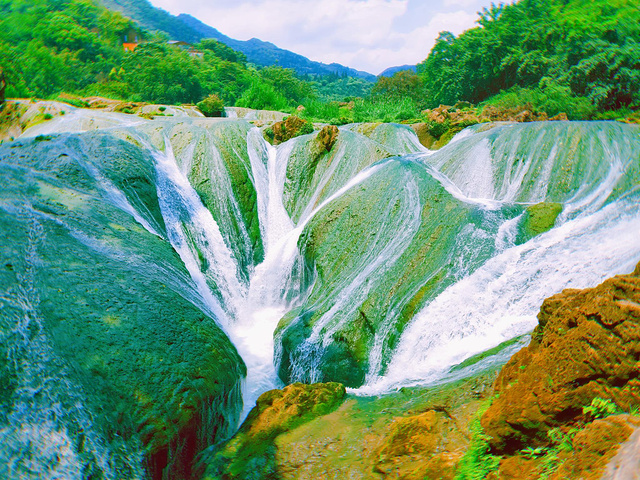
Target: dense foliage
[
  {"x": 576, "y": 57},
  {"x": 331, "y": 88},
  {"x": 575, "y": 53},
  {"x": 75, "y": 46},
  {"x": 212, "y": 106}
]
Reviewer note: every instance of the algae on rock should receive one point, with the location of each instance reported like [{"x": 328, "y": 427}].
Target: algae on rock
[
  {"x": 538, "y": 218},
  {"x": 390, "y": 224},
  {"x": 99, "y": 318},
  {"x": 250, "y": 454}
]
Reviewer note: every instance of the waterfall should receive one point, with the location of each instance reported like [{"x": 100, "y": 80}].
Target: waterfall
[
  {"x": 376, "y": 263},
  {"x": 196, "y": 237},
  {"x": 494, "y": 172}
]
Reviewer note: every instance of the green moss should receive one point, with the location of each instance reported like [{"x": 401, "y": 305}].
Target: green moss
[
  {"x": 477, "y": 462},
  {"x": 538, "y": 218},
  {"x": 487, "y": 353},
  {"x": 157, "y": 377},
  {"x": 227, "y": 197},
  {"x": 343, "y": 238}
]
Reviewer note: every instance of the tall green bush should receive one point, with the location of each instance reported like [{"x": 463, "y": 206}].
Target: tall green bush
[{"x": 212, "y": 106}]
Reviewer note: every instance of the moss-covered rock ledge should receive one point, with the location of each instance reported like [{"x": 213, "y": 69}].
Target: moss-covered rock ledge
[{"x": 251, "y": 453}]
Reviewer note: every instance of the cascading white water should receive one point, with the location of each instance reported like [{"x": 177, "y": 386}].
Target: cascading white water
[
  {"x": 507, "y": 289},
  {"x": 595, "y": 237},
  {"x": 196, "y": 237},
  {"x": 266, "y": 301},
  {"x": 369, "y": 271},
  {"x": 272, "y": 290},
  {"x": 499, "y": 301}
]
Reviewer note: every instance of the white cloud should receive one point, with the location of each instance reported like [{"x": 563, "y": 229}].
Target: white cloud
[
  {"x": 460, "y": 3},
  {"x": 362, "y": 34}
]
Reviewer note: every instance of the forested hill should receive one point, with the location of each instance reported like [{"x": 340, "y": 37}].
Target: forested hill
[
  {"x": 76, "y": 47},
  {"x": 266, "y": 53},
  {"x": 189, "y": 29},
  {"x": 580, "y": 54},
  {"x": 391, "y": 71}
]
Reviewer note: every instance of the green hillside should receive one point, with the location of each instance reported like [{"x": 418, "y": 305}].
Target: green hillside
[
  {"x": 562, "y": 54},
  {"x": 75, "y": 46}
]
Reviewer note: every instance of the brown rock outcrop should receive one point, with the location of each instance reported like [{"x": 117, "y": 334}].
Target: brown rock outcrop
[
  {"x": 289, "y": 128},
  {"x": 594, "y": 446},
  {"x": 421, "y": 446},
  {"x": 328, "y": 136},
  {"x": 561, "y": 117},
  {"x": 251, "y": 452},
  {"x": 587, "y": 345},
  {"x": 524, "y": 113},
  {"x": 446, "y": 113},
  {"x": 278, "y": 410}
]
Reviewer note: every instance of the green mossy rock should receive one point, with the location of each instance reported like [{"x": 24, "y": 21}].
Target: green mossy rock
[
  {"x": 315, "y": 173},
  {"x": 3, "y": 85},
  {"x": 98, "y": 319},
  {"x": 289, "y": 128},
  {"x": 216, "y": 161},
  {"x": 538, "y": 218}
]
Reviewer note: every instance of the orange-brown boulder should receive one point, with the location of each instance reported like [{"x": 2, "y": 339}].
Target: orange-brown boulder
[
  {"x": 289, "y": 128},
  {"x": 252, "y": 450},
  {"x": 595, "y": 446},
  {"x": 428, "y": 445},
  {"x": 587, "y": 345},
  {"x": 517, "y": 468},
  {"x": 561, "y": 117},
  {"x": 278, "y": 410},
  {"x": 328, "y": 136}
]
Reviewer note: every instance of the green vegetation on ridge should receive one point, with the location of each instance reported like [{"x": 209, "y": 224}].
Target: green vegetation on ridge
[{"x": 553, "y": 56}]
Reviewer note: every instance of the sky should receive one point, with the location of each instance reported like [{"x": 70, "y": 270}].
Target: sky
[{"x": 369, "y": 35}]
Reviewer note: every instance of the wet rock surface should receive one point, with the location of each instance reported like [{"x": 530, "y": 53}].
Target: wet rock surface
[
  {"x": 413, "y": 434},
  {"x": 132, "y": 378}
]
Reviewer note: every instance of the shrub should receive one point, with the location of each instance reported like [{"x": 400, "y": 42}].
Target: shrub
[
  {"x": 212, "y": 106},
  {"x": 600, "y": 408},
  {"x": 548, "y": 97},
  {"x": 262, "y": 96}
]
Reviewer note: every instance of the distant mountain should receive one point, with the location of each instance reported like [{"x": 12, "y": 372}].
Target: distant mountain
[
  {"x": 391, "y": 71},
  {"x": 189, "y": 29},
  {"x": 266, "y": 53},
  {"x": 152, "y": 18}
]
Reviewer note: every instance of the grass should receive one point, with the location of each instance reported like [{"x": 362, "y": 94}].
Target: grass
[
  {"x": 477, "y": 462},
  {"x": 360, "y": 110}
]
